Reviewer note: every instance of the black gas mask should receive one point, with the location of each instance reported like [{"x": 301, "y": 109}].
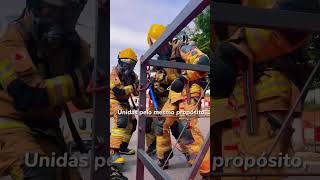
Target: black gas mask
[
  {"x": 126, "y": 67},
  {"x": 53, "y": 23}
]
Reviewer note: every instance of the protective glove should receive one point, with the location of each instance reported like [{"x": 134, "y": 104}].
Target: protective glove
[
  {"x": 118, "y": 91},
  {"x": 178, "y": 84},
  {"x": 81, "y": 78},
  {"x": 224, "y": 69},
  {"x": 136, "y": 85}
]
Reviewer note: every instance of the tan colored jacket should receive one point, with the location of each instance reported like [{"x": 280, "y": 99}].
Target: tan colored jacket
[
  {"x": 116, "y": 82},
  {"x": 191, "y": 55},
  {"x": 14, "y": 48},
  {"x": 274, "y": 92}
]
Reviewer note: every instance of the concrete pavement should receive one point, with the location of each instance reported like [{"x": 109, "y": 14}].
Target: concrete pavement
[{"x": 178, "y": 168}]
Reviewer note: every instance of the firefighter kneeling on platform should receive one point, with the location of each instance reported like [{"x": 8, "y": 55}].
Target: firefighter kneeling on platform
[
  {"x": 123, "y": 83},
  {"x": 184, "y": 94}
]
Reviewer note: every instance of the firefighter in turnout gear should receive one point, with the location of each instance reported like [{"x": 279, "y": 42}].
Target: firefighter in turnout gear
[
  {"x": 257, "y": 45},
  {"x": 123, "y": 83},
  {"x": 43, "y": 64},
  {"x": 245, "y": 66},
  {"x": 184, "y": 94},
  {"x": 159, "y": 84}
]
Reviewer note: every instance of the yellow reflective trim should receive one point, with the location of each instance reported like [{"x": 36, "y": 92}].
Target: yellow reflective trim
[
  {"x": 112, "y": 85},
  {"x": 7, "y": 75},
  {"x": 126, "y": 138},
  {"x": 114, "y": 101},
  {"x": 163, "y": 140},
  {"x": 63, "y": 86},
  {"x": 7, "y": 70},
  {"x": 60, "y": 89},
  {"x": 17, "y": 173},
  {"x": 128, "y": 89},
  {"x": 119, "y": 131},
  {"x": 66, "y": 87},
  {"x": 123, "y": 133},
  {"x": 116, "y": 135},
  {"x": 276, "y": 85},
  {"x": 4, "y": 63},
  {"x": 10, "y": 123},
  {"x": 51, "y": 91}
]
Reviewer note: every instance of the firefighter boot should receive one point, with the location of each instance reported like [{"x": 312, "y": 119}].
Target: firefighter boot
[
  {"x": 162, "y": 162},
  {"x": 124, "y": 149},
  {"x": 115, "y": 174},
  {"x": 151, "y": 148},
  {"x": 116, "y": 158},
  {"x": 205, "y": 177}
]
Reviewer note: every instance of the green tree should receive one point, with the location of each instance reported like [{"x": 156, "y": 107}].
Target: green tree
[
  {"x": 202, "y": 31},
  {"x": 314, "y": 55}
]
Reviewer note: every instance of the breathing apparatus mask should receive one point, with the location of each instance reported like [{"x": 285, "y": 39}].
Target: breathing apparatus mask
[
  {"x": 54, "y": 21},
  {"x": 126, "y": 67}
]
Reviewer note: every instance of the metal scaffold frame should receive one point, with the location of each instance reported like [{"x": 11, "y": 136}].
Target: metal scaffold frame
[
  {"x": 100, "y": 124},
  {"x": 191, "y": 10},
  {"x": 269, "y": 18}
]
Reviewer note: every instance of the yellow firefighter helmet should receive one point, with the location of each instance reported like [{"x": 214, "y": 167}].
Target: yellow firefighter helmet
[
  {"x": 128, "y": 53},
  {"x": 155, "y": 32}
]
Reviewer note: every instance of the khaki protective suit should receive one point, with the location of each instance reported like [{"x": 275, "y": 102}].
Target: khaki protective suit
[
  {"x": 273, "y": 91},
  {"x": 162, "y": 80},
  {"x": 35, "y": 130},
  {"x": 122, "y": 123},
  {"x": 274, "y": 94},
  {"x": 261, "y": 45},
  {"x": 192, "y": 138}
]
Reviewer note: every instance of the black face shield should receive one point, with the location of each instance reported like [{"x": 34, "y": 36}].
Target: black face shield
[
  {"x": 126, "y": 66},
  {"x": 55, "y": 24}
]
